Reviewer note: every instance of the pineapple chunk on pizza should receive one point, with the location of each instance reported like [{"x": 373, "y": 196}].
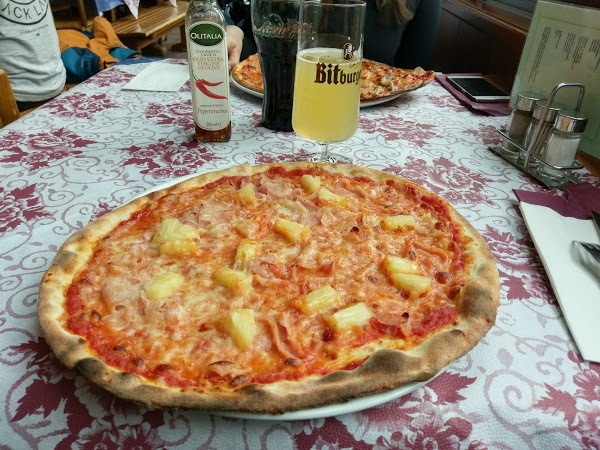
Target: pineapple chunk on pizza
[
  {"x": 400, "y": 222},
  {"x": 163, "y": 285},
  {"x": 175, "y": 238},
  {"x": 241, "y": 326},
  {"x": 393, "y": 264},
  {"x": 235, "y": 280},
  {"x": 326, "y": 197},
  {"x": 247, "y": 194},
  {"x": 246, "y": 252},
  {"x": 178, "y": 247},
  {"x": 293, "y": 231},
  {"x": 350, "y": 317},
  {"x": 310, "y": 183},
  {"x": 406, "y": 276},
  {"x": 319, "y": 300},
  {"x": 172, "y": 229},
  {"x": 415, "y": 285}
]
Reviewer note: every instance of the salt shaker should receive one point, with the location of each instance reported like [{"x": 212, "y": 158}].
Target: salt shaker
[
  {"x": 561, "y": 147},
  {"x": 536, "y": 117},
  {"x": 518, "y": 122}
]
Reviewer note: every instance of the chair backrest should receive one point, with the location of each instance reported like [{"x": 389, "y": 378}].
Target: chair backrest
[{"x": 9, "y": 112}]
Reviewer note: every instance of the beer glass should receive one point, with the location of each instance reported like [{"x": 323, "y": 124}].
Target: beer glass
[
  {"x": 275, "y": 29},
  {"x": 327, "y": 81}
]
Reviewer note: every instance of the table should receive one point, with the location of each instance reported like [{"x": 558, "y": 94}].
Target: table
[{"x": 97, "y": 146}]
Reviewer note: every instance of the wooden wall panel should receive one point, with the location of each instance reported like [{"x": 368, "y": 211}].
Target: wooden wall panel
[{"x": 476, "y": 38}]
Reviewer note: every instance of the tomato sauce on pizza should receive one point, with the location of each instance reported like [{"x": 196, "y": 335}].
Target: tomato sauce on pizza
[{"x": 283, "y": 274}]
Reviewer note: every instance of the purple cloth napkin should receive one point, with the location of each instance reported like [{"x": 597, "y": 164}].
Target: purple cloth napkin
[
  {"x": 491, "y": 108},
  {"x": 580, "y": 200}
]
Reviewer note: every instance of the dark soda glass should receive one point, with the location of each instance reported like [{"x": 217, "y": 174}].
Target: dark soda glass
[{"x": 277, "y": 57}]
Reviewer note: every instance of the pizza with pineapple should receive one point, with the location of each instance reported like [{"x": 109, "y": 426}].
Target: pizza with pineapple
[
  {"x": 270, "y": 288},
  {"x": 377, "y": 80}
]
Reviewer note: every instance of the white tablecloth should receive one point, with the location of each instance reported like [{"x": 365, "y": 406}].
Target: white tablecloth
[{"x": 97, "y": 146}]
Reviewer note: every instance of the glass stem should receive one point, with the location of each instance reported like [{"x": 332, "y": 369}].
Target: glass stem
[{"x": 324, "y": 152}]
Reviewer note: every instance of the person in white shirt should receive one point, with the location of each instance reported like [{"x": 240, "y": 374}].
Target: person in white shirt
[{"x": 29, "y": 52}]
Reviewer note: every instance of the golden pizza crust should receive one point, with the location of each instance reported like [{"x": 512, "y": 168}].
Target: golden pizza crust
[{"x": 384, "y": 369}]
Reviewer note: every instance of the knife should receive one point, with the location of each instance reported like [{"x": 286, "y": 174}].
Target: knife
[
  {"x": 592, "y": 256},
  {"x": 596, "y": 219}
]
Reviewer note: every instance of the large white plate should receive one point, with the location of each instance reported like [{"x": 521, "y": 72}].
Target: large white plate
[
  {"x": 351, "y": 406},
  {"x": 363, "y": 104}
]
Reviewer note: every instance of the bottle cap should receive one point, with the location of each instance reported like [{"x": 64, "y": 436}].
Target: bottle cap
[
  {"x": 570, "y": 122},
  {"x": 525, "y": 101},
  {"x": 538, "y": 111}
]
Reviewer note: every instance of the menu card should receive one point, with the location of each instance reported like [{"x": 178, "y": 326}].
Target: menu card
[{"x": 563, "y": 45}]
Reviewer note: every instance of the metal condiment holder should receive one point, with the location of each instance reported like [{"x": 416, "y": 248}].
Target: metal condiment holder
[{"x": 525, "y": 163}]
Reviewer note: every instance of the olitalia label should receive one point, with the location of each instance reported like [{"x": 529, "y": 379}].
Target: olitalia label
[
  {"x": 207, "y": 34},
  {"x": 209, "y": 72}
]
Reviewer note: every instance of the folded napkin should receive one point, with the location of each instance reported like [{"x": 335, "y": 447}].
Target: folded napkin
[
  {"x": 581, "y": 199},
  {"x": 160, "y": 76},
  {"x": 491, "y": 108},
  {"x": 554, "y": 222}
]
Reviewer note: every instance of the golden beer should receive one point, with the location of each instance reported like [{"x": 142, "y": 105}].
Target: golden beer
[{"x": 326, "y": 95}]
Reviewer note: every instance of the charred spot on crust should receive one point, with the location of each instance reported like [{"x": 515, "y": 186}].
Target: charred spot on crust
[
  {"x": 477, "y": 301},
  {"x": 386, "y": 362},
  {"x": 92, "y": 368}
]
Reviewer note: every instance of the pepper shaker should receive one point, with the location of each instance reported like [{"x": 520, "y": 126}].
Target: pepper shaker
[
  {"x": 517, "y": 123},
  {"x": 561, "y": 147}
]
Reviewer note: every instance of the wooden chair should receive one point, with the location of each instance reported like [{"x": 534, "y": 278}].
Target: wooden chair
[{"x": 9, "y": 112}]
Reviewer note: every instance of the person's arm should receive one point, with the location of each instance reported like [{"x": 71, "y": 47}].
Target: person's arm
[{"x": 235, "y": 39}]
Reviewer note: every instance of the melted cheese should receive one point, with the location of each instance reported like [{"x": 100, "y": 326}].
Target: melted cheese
[{"x": 184, "y": 332}]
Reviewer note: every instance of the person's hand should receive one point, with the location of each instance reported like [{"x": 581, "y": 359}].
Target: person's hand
[{"x": 235, "y": 39}]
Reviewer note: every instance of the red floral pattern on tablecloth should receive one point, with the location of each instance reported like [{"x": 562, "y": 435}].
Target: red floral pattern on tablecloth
[
  {"x": 97, "y": 146},
  {"x": 167, "y": 159},
  {"x": 46, "y": 148},
  {"x": 393, "y": 128},
  {"x": 581, "y": 410},
  {"x": 105, "y": 79},
  {"x": 18, "y": 206},
  {"x": 445, "y": 102},
  {"x": 175, "y": 114},
  {"x": 81, "y": 106},
  {"x": 453, "y": 183}
]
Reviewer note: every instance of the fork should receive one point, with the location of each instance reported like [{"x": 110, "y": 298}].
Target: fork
[{"x": 592, "y": 249}]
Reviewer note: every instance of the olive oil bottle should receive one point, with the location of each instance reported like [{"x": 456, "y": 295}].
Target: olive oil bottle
[{"x": 207, "y": 58}]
